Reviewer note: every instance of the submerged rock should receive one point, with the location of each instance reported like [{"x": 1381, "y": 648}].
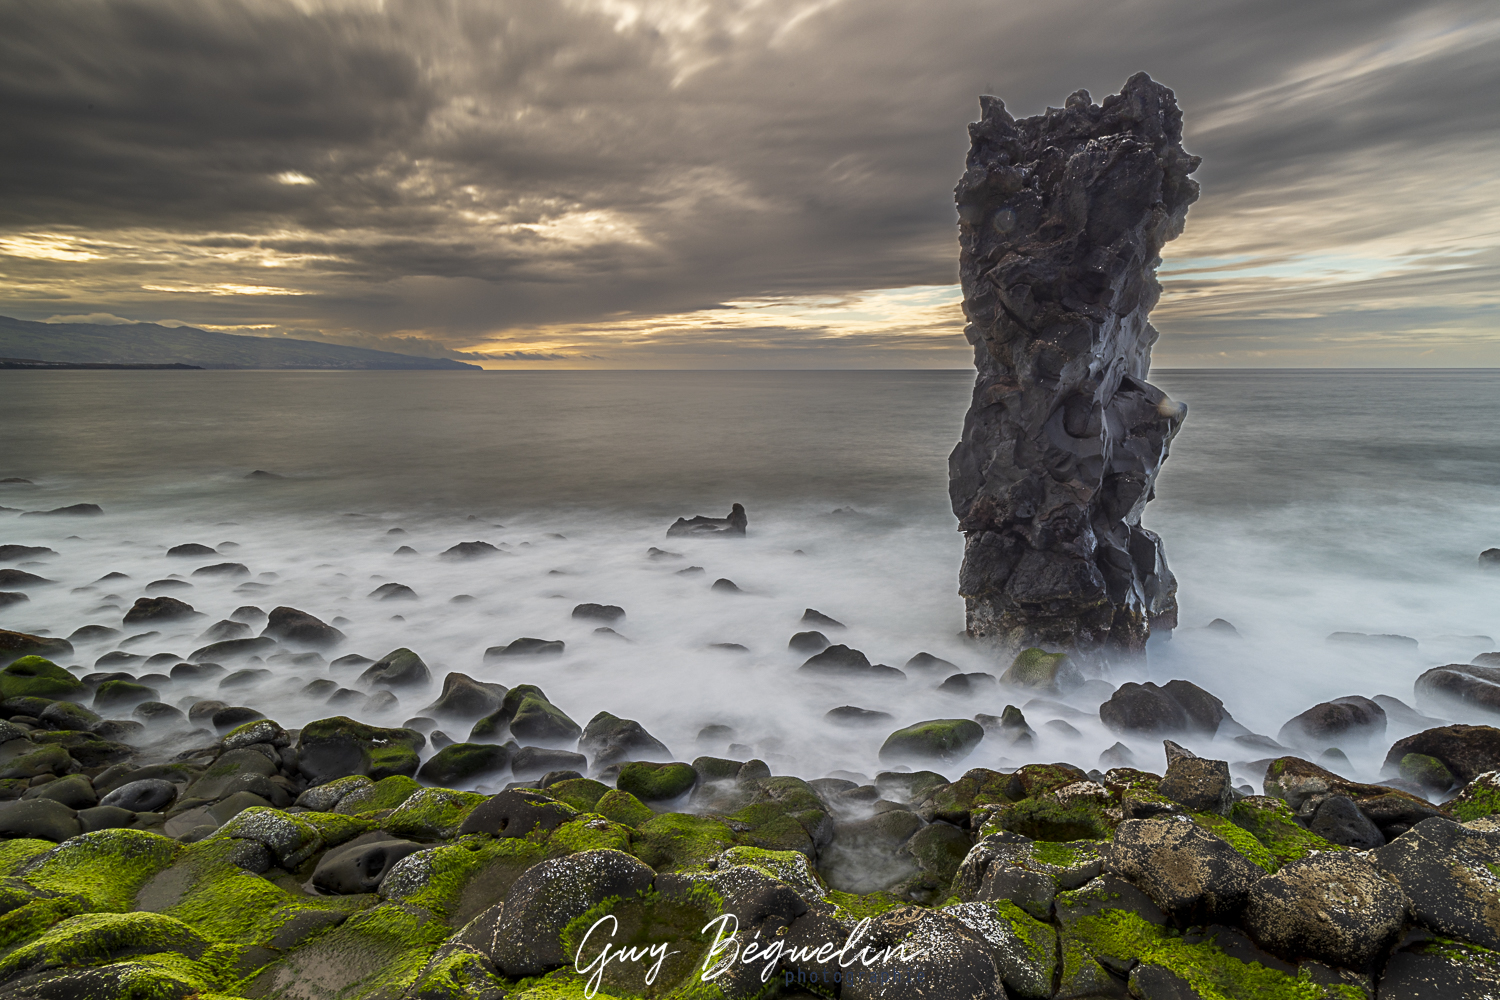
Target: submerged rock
[
  {"x": 945, "y": 740},
  {"x": 468, "y": 550},
  {"x": 1175, "y": 707},
  {"x": 147, "y": 610},
  {"x": 398, "y": 668},
  {"x": 1350, "y": 719},
  {"x": 1466, "y": 751},
  {"x": 732, "y": 525},
  {"x": 300, "y": 628},
  {"x": 609, "y": 739}
]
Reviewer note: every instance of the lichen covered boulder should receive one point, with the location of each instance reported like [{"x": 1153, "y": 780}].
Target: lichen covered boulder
[
  {"x": 340, "y": 747},
  {"x": 943, "y": 740},
  {"x": 39, "y": 677}
]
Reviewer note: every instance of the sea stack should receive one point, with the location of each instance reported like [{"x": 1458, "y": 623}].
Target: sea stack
[{"x": 1062, "y": 218}]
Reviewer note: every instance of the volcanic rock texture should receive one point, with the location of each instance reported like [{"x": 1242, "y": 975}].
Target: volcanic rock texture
[{"x": 1061, "y": 221}]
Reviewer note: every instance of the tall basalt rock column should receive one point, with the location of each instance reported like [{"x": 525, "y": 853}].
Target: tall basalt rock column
[{"x": 1062, "y": 218}]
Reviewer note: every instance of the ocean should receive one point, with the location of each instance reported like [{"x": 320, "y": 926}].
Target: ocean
[{"x": 1295, "y": 504}]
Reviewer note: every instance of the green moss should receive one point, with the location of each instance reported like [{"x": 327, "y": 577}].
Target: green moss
[
  {"x": 677, "y": 841},
  {"x": 15, "y": 853},
  {"x": 791, "y": 867},
  {"x": 97, "y": 938},
  {"x": 935, "y": 739},
  {"x": 1481, "y": 797},
  {"x": 1036, "y": 780},
  {"x": 1426, "y": 771},
  {"x": 1035, "y": 668},
  {"x": 1272, "y": 822},
  {"x": 38, "y": 677},
  {"x": 656, "y": 782},
  {"x": 457, "y": 976},
  {"x": 855, "y": 907},
  {"x": 431, "y": 813},
  {"x": 208, "y": 890},
  {"x": 386, "y": 793},
  {"x": 1037, "y": 937},
  {"x": 589, "y": 832},
  {"x": 643, "y": 921},
  {"x": 1050, "y": 819},
  {"x": 1134, "y": 779},
  {"x": 582, "y": 794},
  {"x": 106, "y": 867},
  {"x": 1240, "y": 839},
  {"x": 622, "y": 807},
  {"x": 335, "y": 828},
  {"x": 393, "y": 760},
  {"x": 979, "y": 787},
  {"x": 1055, "y": 853},
  {"x": 30, "y": 919},
  {"x": 377, "y": 952}
]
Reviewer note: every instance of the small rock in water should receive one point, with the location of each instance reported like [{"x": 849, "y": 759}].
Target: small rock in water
[
  {"x": 818, "y": 619},
  {"x": 726, "y": 586},
  {"x": 848, "y": 715},
  {"x": 808, "y": 642},
  {"x": 599, "y": 612},
  {"x": 350, "y": 661},
  {"x": 393, "y": 592},
  {"x": 968, "y": 684},
  {"x": 301, "y": 628},
  {"x": 1391, "y": 642},
  {"x": 74, "y": 510},
  {"x": 1352, "y": 718},
  {"x": 729, "y": 647},
  {"x": 660, "y": 554},
  {"x": 398, "y": 668},
  {"x": 1489, "y": 559},
  {"x": 167, "y": 584},
  {"x": 224, "y": 629},
  {"x": 262, "y": 474},
  {"x": 191, "y": 549},
  {"x": 1118, "y": 755},
  {"x": 406, "y": 550},
  {"x": 1222, "y": 627},
  {"x": 734, "y": 524},
  {"x": 690, "y": 571},
  {"x": 527, "y": 646},
  {"x": 926, "y": 661},
  {"x": 158, "y": 609},
  {"x": 249, "y": 614},
  {"x": 468, "y": 550},
  {"x": 15, "y": 553}
]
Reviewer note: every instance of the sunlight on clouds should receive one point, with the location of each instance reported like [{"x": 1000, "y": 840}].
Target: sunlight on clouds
[
  {"x": 224, "y": 289},
  {"x": 45, "y": 246},
  {"x": 294, "y": 177}
]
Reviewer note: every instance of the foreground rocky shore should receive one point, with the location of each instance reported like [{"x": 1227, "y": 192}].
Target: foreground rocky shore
[{"x": 213, "y": 853}]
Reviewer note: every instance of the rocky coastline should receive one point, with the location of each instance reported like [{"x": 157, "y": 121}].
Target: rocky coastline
[{"x": 162, "y": 843}]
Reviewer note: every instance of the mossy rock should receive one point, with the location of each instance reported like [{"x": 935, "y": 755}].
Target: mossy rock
[
  {"x": 946, "y": 740},
  {"x": 114, "y": 695},
  {"x": 526, "y": 713},
  {"x": 1479, "y": 798},
  {"x": 431, "y": 813},
  {"x": 622, "y": 807},
  {"x": 979, "y": 787},
  {"x": 457, "y": 975},
  {"x": 791, "y": 867},
  {"x": 785, "y": 814},
  {"x": 582, "y": 794},
  {"x": 30, "y": 918},
  {"x": 850, "y": 906},
  {"x": 656, "y": 782},
  {"x": 39, "y": 677},
  {"x": 454, "y": 882},
  {"x": 338, "y": 747},
  {"x": 46, "y": 759},
  {"x": 1035, "y": 780},
  {"x": 676, "y": 841},
  {"x": 1050, "y": 819},
  {"x": 97, "y": 938},
  {"x": 20, "y": 645},
  {"x": 654, "y": 919},
  {"x": 376, "y": 952},
  {"x": 1242, "y": 840},
  {"x": 14, "y": 854},
  {"x": 386, "y": 793},
  {"x": 589, "y": 832},
  {"x": 464, "y": 762},
  {"x": 1040, "y": 670},
  {"x": 1275, "y": 826},
  {"x": 106, "y": 867}
]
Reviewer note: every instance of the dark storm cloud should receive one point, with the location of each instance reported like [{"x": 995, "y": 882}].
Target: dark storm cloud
[{"x": 460, "y": 169}]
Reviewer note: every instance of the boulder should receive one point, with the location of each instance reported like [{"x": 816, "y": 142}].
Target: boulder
[
  {"x": 817, "y": 619},
  {"x": 66, "y": 715},
  {"x": 526, "y": 714},
  {"x": 299, "y": 628},
  {"x": 41, "y": 819},
  {"x": 808, "y": 642},
  {"x": 73, "y": 791},
  {"x": 1010, "y": 866},
  {"x": 468, "y": 550},
  {"x": 1339, "y": 821},
  {"x": 224, "y": 629},
  {"x": 20, "y": 579},
  {"x": 652, "y": 782},
  {"x": 191, "y": 550},
  {"x": 945, "y": 740},
  {"x": 527, "y": 646},
  {"x": 516, "y": 813},
  {"x": 609, "y": 739},
  {"x": 693, "y": 527},
  {"x": 72, "y": 510},
  {"x": 234, "y": 649},
  {"x": 1352, "y": 719},
  {"x": 599, "y": 612},
  {"x": 1175, "y": 707},
  {"x": 142, "y": 795},
  {"x": 841, "y": 661},
  {"x": 360, "y": 865},
  {"x": 1467, "y": 751},
  {"x": 942, "y": 958},
  {"x": 224, "y": 569},
  {"x": 1436, "y": 969},
  {"x": 150, "y": 610},
  {"x": 1305, "y": 785},
  {"x": 1038, "y": 670},
  {"x": 1189, "y": 872},
  {"x": 1199, "y": 785},
  {"x": 398, "y": 668},
  {"x": 848, "y": 715},
  {"x": 464, "y": 697},
  {"x": 1333, "y": 907},
  {"x": 15, "y": 645},
  {"x": 534, "y": 762},
  {"x": 339, "y": 747},
  {"x": 966, "y": 685},
  {"x": 38, "y": 677},
  {"x": 1448, "y": 873},
  {"x": 549, "y": 896},
  {"x": 393, "y": 592}
]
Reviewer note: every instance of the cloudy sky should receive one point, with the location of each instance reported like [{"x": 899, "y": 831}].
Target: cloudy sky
[{"x": 727, "y": 183}]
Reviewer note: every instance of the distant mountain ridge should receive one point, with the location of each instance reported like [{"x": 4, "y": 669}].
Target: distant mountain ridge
[{"x": 149, "y": 344}]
